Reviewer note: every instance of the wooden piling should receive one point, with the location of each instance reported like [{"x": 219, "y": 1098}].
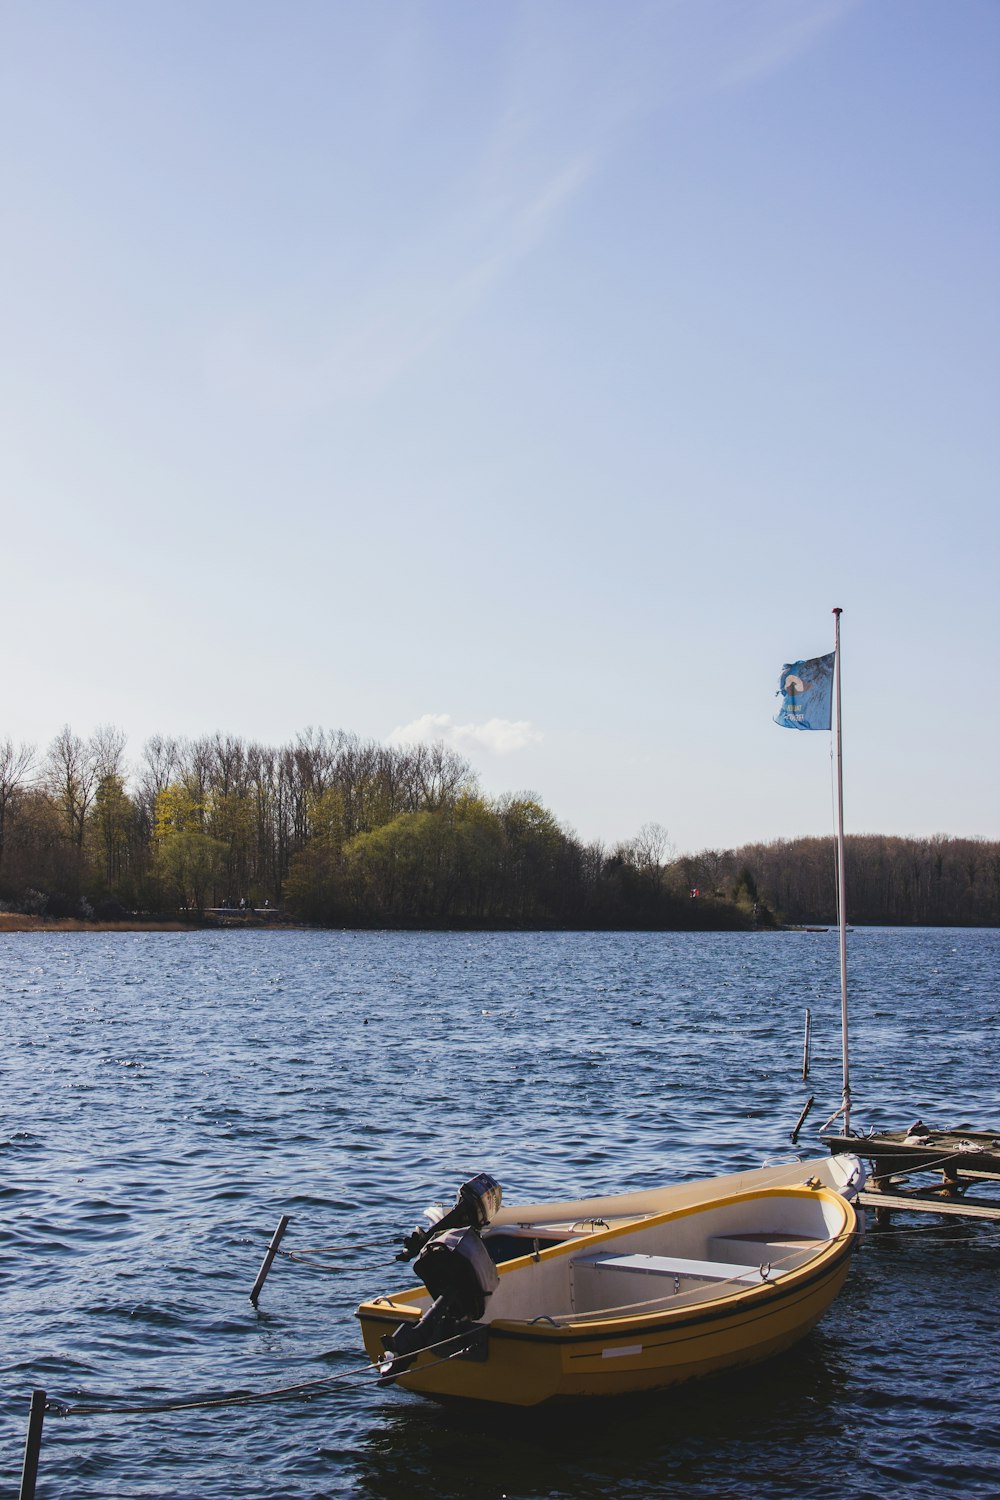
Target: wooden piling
[
  {"x": 32, "y": 1446},
  {"x": 272, "y": 1250},
  {"x": 801, "y": 1120}
]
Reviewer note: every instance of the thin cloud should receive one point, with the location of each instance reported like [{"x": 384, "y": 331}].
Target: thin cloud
[
  {"x": 570, "y": 93},
  {"x": 415, "y": 304},
  {"x": 792, "y": 29},
  {"x": 498, "y": 736}
]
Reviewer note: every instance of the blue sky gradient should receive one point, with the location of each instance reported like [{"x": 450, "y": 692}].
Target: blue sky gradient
[{"x": 538, "y": 376}]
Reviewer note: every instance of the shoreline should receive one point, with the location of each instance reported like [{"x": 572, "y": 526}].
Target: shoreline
[
  {"x": 235, "y": 921},
  {"x": 13, "y": 921}
]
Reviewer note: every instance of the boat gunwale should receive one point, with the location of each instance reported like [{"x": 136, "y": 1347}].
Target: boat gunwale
[
  {"x": 645, "y": 1203},
  {"x": 826, "y": 1261},
  {"x": 694, "y": 1315},
  {"x": 628, "y": 1325}
]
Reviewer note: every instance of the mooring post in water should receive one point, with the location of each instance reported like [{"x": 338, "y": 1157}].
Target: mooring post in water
[
  {"x": 799, "y": 1122},
  {"x": 32, "y": 1446},
  {"x": 805, "y": 1049},
  {"x": 272, "y": 1250}
]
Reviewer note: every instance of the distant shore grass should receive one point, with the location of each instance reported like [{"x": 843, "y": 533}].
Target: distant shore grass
[{"x": 14, "y": 921}]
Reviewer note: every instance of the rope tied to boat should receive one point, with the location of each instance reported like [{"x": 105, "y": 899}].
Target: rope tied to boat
[
  {"x": 358, "y": 1372},
  {"x": 934, "y": 1165},
  {"x": 309, "y": 1255},
  {"x": 111, "y": 1408}
]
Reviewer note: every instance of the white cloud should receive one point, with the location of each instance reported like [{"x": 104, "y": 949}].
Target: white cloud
[{"x": 498, "y": 736}]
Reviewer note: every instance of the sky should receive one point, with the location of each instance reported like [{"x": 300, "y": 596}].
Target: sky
[{"x": 533, "y": 376}]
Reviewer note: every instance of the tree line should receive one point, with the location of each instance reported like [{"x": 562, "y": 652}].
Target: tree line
[
  {"x": 339, "y": 831},
  {"x": 930, "y": 882}
]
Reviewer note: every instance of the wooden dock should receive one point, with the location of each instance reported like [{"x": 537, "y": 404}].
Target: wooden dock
[
  {"x": 958, "y": 1159},
  {"x": 921, "y": 1201}
]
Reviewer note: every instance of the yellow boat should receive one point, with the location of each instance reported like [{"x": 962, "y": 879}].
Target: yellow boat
[
  {"x": 644, "y": 1304},
  {"x": 560, "y": 1219}
]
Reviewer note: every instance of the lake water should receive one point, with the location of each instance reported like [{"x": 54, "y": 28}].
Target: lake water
[{"x": 165, "y": 1098}]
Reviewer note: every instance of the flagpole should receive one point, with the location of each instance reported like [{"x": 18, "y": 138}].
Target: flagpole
[{"x": 841, "y": 878}]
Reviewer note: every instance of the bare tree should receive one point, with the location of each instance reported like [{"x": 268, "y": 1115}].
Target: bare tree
[
  {"x": 441, "y": 774},
  {"x": 107, "y": 750},
  {"x": 197, "y": 772},
  {"x": 652, "y": 846},
  {"x": 163, "y": 755},
  {"x": 71, "y": 779},
  {"x": 15, "y": 768}
]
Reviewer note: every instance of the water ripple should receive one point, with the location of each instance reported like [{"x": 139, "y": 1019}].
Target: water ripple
[{"x": 183, "y": 1091}]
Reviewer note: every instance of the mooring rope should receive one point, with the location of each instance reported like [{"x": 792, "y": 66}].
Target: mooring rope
[
  {"x": 970, "y": 1227},
  {"x": 859, "y": 1142},
  {"x": 344, "y": 1250},
  {"x": 307, "y": 1258},
  {"x": 236, "y": 1398},
  {"x": 187, "y": 1403}
]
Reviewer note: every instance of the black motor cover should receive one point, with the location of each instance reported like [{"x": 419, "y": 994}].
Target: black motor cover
[
  {"x": 456, "y": 1269},
  {"x": 456, "y": 1265}
]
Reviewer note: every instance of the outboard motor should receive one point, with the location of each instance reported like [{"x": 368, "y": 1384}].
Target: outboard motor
[
  {"x": 455, "y": 1267},
  {"x": 477, "y": 1203}
]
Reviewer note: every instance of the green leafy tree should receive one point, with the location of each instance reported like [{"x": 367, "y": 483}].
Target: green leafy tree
[
  {"x": 188, "y": 861},
  {"x": 190, "y": 864},
  {"x": 393, "y": 871}
]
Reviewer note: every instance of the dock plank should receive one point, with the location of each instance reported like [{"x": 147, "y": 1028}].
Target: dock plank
[{"x": 976, "y": 1208}]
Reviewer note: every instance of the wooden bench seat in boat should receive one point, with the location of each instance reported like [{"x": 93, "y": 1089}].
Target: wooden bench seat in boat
[
  {"x": 619, "y": 1281},
  {"x": 777, "y": 1247},
  {"x": 672, "y": 1265}
]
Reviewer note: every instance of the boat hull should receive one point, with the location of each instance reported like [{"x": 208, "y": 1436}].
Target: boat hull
[
  {"x": 528, "y": 1362},
  {"x": 566, "y": 1365}
]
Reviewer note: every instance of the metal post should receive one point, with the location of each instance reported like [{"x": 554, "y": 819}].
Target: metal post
[
  {"x": 272, "y": 1250},
  {"x": 841, "y": 881},
  {"x": 32, "y": 1446},
  {"x": 805, "y": 1050}
]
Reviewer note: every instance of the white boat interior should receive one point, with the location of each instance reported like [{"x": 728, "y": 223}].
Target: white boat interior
[
  {"x": 520, "y": 1229},
  {"x": 669, "y": 1259}
]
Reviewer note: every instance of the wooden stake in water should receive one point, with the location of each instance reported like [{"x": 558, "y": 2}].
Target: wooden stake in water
[
  {"x": 801, "y": 1120},
  {"x": 32, "y": 1446},
  {"x": 272, "y": 1251},
  {"x": 805, "y": 1050}
]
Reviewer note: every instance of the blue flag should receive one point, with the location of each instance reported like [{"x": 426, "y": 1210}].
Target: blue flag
[{"x": 806, "y": 688}]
